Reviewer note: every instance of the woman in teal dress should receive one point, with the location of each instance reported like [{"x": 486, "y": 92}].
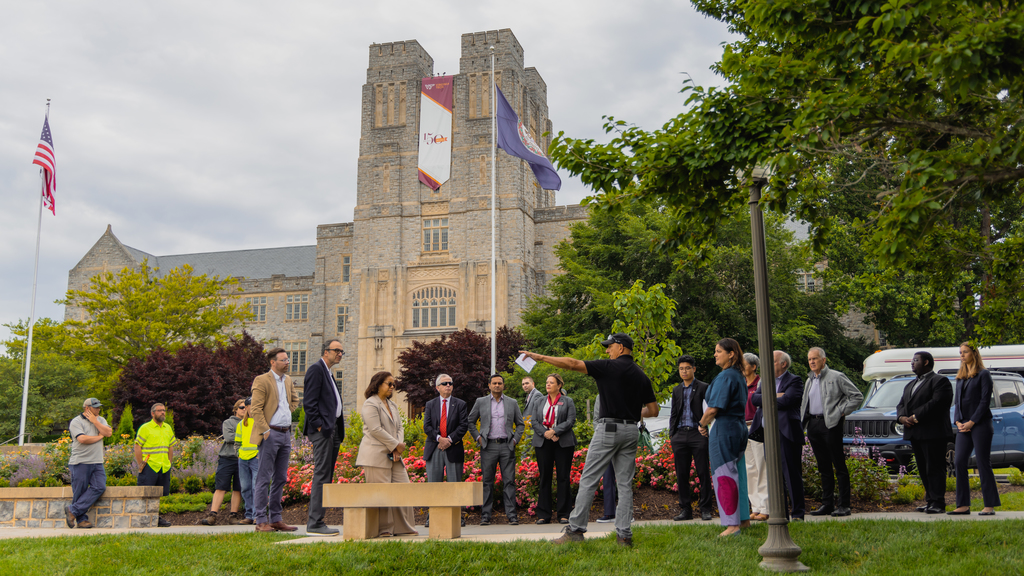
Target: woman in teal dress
[{"x": 727, "y": 399}]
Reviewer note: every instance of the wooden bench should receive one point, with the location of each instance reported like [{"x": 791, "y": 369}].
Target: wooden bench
[{"x": 444, "y": 499}]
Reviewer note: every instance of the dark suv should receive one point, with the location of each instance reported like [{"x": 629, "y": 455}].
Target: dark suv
[{"x": 882, "y": 436}]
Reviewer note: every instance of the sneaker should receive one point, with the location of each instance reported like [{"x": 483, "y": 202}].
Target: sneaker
[
  {"x": 513, "y": 520},
  {"x": 485, "y": 520},
  {"x": 209, "y": 520},
  {"x": 606, "y": 519},
  {"x": 569, "y": 535},
  {"x": 322, "y": 530},
  {"x": 247, "y": 521},
  {"x": 160, "y": 522},
  {"x": 234, "y": 518}
]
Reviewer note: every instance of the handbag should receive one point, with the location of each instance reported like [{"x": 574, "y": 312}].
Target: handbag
[
  {"x": 758, "y": 435},
  {"x": 644, "y": 441}
]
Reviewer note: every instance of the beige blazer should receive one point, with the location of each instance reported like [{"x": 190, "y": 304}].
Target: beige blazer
[
  {"x": 381, "y": 433},
  {"x": 264, "y": 403}
]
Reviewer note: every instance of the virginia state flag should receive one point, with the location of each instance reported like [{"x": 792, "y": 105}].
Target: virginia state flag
[{"x": 515, "y": 139}]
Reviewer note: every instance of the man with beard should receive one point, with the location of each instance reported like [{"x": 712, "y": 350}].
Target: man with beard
[
  {"x": 273, "y": 399},
  {"x": 88, "y": 477},
  {"x": 501, "y": 427},
  {"x": 924, "y": 412},
  {"x": 154, "y": 453}
]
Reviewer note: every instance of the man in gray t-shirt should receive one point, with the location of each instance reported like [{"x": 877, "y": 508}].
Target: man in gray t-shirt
[{"x": 88, "y": 478}]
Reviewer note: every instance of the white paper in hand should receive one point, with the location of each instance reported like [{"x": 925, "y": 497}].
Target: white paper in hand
[{"x": 526, "y": 363}]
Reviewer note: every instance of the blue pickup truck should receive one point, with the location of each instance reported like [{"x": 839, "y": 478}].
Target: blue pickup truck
[{"x": 873, "y": 431}]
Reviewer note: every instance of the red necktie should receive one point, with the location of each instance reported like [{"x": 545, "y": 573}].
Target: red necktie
[{"x": 444, "y": 418}]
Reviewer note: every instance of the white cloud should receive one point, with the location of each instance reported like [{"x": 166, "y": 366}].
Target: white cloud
[{"x": 198, "y": 126}]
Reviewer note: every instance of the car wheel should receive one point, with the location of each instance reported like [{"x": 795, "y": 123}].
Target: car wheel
[{"x": 950, "y": 458}]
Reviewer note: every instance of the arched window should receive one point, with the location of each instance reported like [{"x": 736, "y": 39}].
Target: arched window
[{"x": 433, "y": 307}]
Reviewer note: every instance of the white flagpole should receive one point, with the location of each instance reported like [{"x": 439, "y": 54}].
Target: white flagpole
[
  {"x": 32, "y": 309},
  {"x": 494, "y": 205}
]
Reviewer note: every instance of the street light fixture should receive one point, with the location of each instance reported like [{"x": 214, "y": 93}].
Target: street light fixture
[{"x": 779, "y": 553}]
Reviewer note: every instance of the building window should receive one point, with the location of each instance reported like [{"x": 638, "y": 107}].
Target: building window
[
  {"x": 342, "y": 318},
  {"x": 805, "y": 282},
  {"x": 258, "y": 306},
  {"x": 346, "y": 268},
  {"x": 433, "y": 307},
  {"x": 435, "y": 235},
  {"x": 295, "y": 307},
  {"x": 296, "y": 356}
]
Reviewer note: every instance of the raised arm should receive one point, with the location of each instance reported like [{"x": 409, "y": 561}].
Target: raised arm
[{"x": 562, "y": 362}]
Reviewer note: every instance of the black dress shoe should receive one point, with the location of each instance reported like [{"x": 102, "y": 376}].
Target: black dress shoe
[
  {"x": 825, "y": 510},
  {"x": 485, "y": 520},
  {"x": 705, "y": 515},
  {"x": 955, "y": 513},
  {"x": 922, "y": 508},
  {"x": 841, "y": 511},
  {"x": 160, "y": 522},
  {"x": 935, "y": 509},
  {"x": 684, "y": 515},
  {"x": 543, "y": 521}
]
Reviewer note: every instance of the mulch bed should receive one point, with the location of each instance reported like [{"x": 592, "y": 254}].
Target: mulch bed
[{"x": 648, "y": 504}]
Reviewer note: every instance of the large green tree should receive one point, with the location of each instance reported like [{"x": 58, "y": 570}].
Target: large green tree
[
  {"x": 138, "y": 310},
  {"x": 927, "y": 93},
  {"x": 610, "y": 251}
]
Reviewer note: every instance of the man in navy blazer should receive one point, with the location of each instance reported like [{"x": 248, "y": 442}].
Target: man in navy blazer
[
  {"x": 789, "y": 391},
  {"x": 501, "y": 427},
  {"x": 325, "y": 428},
  {"x": 688, "y": 443},
  {"x": 444, "y": 451}
]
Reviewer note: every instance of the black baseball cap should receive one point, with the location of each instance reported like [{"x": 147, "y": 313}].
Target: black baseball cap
[{"x": 618, "y": 338}]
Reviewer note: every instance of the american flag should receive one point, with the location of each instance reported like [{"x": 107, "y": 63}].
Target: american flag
[{"x": 46, "y": 158}]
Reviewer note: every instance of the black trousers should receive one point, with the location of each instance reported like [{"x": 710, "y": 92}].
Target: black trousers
[
  {"x": 827, "y": 444},
  {"x": 930, "y": 455},
  {"x": 554, "y": 458},
  {"x": 325, "y": 456},
  {"x": 690, "y": 445},
  {"x": 793, "y": 474},
  {"x": 978, "y": 439}
]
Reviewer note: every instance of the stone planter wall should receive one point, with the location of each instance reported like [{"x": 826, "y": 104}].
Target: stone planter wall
[{"x": 119, "y": 507}]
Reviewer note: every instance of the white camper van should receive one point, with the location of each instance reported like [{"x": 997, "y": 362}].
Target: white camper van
[{"x": 885, "y": 364}]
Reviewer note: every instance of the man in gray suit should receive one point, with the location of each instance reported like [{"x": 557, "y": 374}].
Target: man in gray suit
[{"x": 501, "y": 427}]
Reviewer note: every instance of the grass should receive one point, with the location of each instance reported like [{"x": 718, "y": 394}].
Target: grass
[
  {"x": 1011, "y": 502},
  {"x": 856, "y": 547}
]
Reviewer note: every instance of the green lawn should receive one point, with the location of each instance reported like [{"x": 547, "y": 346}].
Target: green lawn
[{"x": 857, "y": 547}]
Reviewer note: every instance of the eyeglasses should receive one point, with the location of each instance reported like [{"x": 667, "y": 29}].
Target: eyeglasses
[{"x": 338, "y": 350}]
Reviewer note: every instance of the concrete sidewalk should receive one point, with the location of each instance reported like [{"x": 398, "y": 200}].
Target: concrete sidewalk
[{"x": 494, "y": 533}]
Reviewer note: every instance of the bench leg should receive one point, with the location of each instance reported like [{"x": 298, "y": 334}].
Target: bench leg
[
  {"x": 445, "y": 522},
  {"x": 360, "y": 523}
]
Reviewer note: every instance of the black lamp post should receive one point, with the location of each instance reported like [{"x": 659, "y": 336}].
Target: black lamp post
[{"x": 779, "y": 553}]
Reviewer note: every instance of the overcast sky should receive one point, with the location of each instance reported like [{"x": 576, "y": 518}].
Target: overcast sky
[{"x": 203, "y": 126}]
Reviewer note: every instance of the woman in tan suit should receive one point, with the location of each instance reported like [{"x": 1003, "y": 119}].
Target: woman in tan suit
[{"x": 380, "y": 452}]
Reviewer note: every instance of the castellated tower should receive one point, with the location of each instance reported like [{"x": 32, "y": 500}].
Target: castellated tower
[{"x": 421, "y": 258}]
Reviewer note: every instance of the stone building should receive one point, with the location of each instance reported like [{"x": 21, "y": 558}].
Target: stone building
[{"x": 414, "y": 263}]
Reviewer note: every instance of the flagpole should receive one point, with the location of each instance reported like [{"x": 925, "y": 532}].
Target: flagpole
[
  {"x": 32, "y": 308},
  {"x": 494, "y": 200}
]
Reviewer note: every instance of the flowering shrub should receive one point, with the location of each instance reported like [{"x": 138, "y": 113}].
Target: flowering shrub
[
  {"x": 195, "y": 456},
  {"x": 869, "y": 480}
]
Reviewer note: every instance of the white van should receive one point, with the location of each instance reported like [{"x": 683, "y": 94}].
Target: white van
[{"x": 885, "y": 364}]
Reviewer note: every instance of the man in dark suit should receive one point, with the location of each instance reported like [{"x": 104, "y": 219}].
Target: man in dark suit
[
  {"x": 924, "y": 412},
  {"x": 501, "y": 427},
  {"x": 789, "y": 391},
  {"x": 687, "y": 442},
  {"x": 325, "y": 428},
  {"x": 444, "y": 423}
]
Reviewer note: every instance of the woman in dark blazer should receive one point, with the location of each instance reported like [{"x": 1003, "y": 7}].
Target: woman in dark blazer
[
  {"x": 552, "y": 420},
  {"x": 973, "y": 420}
]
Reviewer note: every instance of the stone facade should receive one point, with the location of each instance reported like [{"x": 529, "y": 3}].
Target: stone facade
[
  {"x": 374, "y": 283},
  {"x": 119, "y": 507}
]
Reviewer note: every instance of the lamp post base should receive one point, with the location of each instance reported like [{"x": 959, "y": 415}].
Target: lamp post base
[{"x": 779, "y": 553}]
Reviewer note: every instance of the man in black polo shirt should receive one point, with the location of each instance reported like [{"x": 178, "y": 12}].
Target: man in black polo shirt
[{"x": 626, "y": 396}]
